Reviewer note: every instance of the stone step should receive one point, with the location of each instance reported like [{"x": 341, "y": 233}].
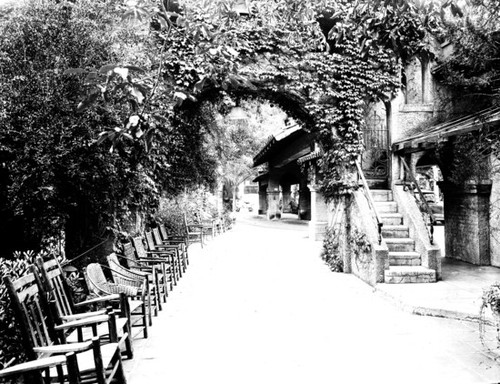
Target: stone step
[
  {"x": 395, "y": 231},
  {"x": 391, "y": 218},
  {"x": 386, "y": 206},
  {"x": 409, "y": 274},
  {"x": 381, "y": 194},
  {"x": 400, "y": 244},
  {"x": 404, "y": 259}
]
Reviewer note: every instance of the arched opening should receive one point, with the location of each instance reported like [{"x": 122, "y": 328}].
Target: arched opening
[
  {"x": 429, "y": 177},
  {"x": 277, "y": 132}
]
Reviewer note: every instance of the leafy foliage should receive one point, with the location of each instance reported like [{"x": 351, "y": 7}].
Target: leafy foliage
[
  {"x": 58, "y": 172},
  {"x": 473, "y": 70},
  {"x": 467, "y": 157},
  {"x": 331, "y": 251},
  {"x": 10, "y": 337},
  {"x": 139, "y": 87}
]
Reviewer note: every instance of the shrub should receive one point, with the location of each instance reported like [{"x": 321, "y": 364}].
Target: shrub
[
  {"x": 193, "y": 204},
  {"x": 331, "y": 251},
  {"x": 10, "y": 336}
]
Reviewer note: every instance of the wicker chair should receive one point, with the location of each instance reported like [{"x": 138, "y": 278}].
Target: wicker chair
[
  {"x": 124, "y": 275},
  {"x": 100, "y": 286}
]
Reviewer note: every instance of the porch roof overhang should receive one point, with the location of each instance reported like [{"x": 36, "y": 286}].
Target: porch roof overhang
[
  {"x": 276, "y": 143},
  {"x": 311, "y": 156},
  {"x": 488, "y": 118},
  {"x": 261, "y": 177}
]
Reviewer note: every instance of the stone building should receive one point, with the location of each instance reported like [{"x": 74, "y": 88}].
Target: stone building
[
  {"x": 416, "y": 130},
  {"x": 284, "y": 155}
]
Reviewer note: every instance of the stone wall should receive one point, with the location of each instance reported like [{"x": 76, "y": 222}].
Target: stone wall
[
  {"x": 467, "y": 212},
  {"x": 369, "y": 266},
  {"x": 495, "y": 214}
]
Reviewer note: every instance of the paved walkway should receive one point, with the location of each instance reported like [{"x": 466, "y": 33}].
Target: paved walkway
[{"x": 257, "y": 305}]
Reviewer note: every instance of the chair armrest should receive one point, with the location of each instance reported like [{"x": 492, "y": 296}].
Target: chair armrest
[
  {"x": 124, "y": 275},
  {"x": 127, "y": 271},
  {"x": 177, "y": 242},
  {"x": 124, "y": 258},
  {"x": 164, "y": 251},
  {"x": 195, "y": 226},
  {"x": 101, "y": 299},
  {"x": 168, "y": 247},
  {"x": 78, "y": 316},
  {"x": 155, "y": 260},
  {"x": 64, "y": 348},
  {"x": 82, "y": 322},
  {"x": 33, "y": 365}
]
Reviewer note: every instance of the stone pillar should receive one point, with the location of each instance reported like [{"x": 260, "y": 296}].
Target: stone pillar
[
  {"x": 467, "y": 230},
  {"x": 319, "y": 214},
  {"x": 304, "y": 202},
  {"x": 262, "y": 199},
  {"x": 287, "y": 195},
  {"x": 273, "y": 198}
]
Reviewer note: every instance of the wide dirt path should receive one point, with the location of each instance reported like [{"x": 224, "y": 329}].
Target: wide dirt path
[{"x": 257, "y": 305}]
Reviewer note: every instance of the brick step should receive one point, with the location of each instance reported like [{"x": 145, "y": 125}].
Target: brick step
[
  {"x": 381, "y": 194},
  {"x": 407, "y": 274},
  {"x": 400, "y": 244},
  {"x": 404, "y": 259},
  {"x": 391, "y": 218},
  {"x": 386, "y": 206},
  {"x": 395, "y": 231}
]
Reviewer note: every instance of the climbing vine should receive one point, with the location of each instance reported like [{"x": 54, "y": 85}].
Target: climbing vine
[
  {"x": 321, "y": 61},
  {"x": 361, "y": 248}
]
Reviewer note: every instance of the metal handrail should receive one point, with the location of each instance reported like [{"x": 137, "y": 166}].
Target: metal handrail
[
  {"x": 335, "y": 218},
  {"x": 422, "y": 198},
  {"x": 380, "y": 224}
]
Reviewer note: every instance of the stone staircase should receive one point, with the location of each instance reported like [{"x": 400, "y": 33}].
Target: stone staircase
[{"x": 405, "y": 264}]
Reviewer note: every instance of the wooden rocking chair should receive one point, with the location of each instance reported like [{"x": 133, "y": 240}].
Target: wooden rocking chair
[
  {"x": 155, "y": 242},
  {"x": 169, "y": 239},
  {"x": 41, "y": 337},
  {"x": 162, "y": 278},
  {"x": 162, "y": 256},
  {"x": 194, "y": 232},
  {"x": 56, "y": 289}
]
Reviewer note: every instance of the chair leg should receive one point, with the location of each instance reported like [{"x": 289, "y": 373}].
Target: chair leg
[
  {"x": 144, "y": 320},
  {"x": 129, "y": 347},
  {"x": 157, "y": 291},
  {"x": 99, "y": 367},
  {"x": 73, "y": 370}
]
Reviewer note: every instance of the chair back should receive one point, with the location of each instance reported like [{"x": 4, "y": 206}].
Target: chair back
[
  {"x": 113, "y": 260},
  {"x": 32, "y": 312},
  {"x": 99, "y": 285},
  {"x": 96, "y": 281},
  {"x": 122, "y": 275},
  {"x": 163, "y": 232},
  {"x": 150, "y": 242},
  {"x": 139, "y": 247},
  {"x": 156, "y": 236},
  {"x": 129, "y": 253},
  {"x": 55, "y": 286}
]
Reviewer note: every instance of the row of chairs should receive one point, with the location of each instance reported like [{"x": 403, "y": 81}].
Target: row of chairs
[{"x": 66, "y": 346}]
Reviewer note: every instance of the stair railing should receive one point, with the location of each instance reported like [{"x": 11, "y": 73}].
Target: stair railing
[
  {"x": 369, "y": 197},
  {"x": 422, "y": 203}
]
